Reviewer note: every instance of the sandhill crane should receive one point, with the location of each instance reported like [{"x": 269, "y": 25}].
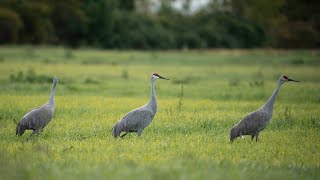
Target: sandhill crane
[
  {"x": 256, "y": 121},
  {"x": 138, "y": 119},
  {"x": 39, "y": 117}
]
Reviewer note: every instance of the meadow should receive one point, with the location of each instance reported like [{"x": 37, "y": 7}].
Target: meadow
[{"x": 208, "y": 92}]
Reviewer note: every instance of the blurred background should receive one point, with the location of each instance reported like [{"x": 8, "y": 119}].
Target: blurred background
[{"x": 161, "y": 24}]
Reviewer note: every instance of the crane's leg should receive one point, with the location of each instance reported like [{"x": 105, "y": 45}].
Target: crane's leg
[
  {"x": 123, "y": 135},
  {"x": 36, "y": 131},
  {"x": 252, "y": 136},
  {"x": 139, "y": 133},
  {"x": 257, "y": 136},
  {"x": 126, "y": 130}
]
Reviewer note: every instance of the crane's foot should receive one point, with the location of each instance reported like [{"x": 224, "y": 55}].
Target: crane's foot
[
  {"x": 123, "y": 135},
  {"x": 257, "y": 138},
  {"x": 37, "y": 132}
]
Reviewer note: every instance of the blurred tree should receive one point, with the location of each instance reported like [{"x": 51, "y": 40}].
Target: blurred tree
[
  {"x": 70, "y": 22},
  {"x": 37, "y": 27},
  {"x": 297, "y": 10},
  {"x": 132, "y": 30},
  {"x": 228, "y": 31},
  {"x": 129, "y": 23},
  {"x": 175, "y": 22},
  {"x": 288, "y": 23},
  {"x": 264, "y": 12},
  {"x": 302, "y": 29},
  {"x": 100, "y": 23},
  {"x": 10, "y": 25},
  {"x": 126, "y": 5}
]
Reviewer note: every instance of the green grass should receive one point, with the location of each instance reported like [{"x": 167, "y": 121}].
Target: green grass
[{"x": 189, "y": 137}]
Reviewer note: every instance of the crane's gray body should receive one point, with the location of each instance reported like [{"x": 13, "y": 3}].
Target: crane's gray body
[
  {"x": 36, "y": 119},
  {"x": 39, "y": 117},
  {"x": 134, "y": 121},
  {"x": 251, "y": 124},
  {"x": 138, "y": 119},
  {"x": 256, "y": 121}
]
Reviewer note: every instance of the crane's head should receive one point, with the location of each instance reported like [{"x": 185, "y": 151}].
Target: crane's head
[
  {"x": 284, "y": 78},
  {"x": 157, "y": 76},
  {"x": 234, "y": 133},
  {"x": 55, "y": 80}
]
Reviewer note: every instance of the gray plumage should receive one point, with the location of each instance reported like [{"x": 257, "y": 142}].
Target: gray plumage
[
  {"x": 39, "y": 117},
  {"x": 256, "y": 121},
  {"x": 137, "y": 120}
]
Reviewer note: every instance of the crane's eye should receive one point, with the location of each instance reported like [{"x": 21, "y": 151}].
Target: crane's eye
[{"x": 285, "y": 77}]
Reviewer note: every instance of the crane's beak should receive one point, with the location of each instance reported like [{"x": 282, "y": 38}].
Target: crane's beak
[
  {"x": 292, "y": 80},
  {"x": 163, "y": 78}
]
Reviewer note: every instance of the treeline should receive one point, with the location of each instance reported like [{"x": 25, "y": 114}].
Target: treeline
[{"x": 120, "y": 24}]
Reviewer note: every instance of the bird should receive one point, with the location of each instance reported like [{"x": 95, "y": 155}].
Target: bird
[
  {"x": 138, "y": 119},
  {"x": 253, "y": 123},
  {"x": 39, "y": 117}
]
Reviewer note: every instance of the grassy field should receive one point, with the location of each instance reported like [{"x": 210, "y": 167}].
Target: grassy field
[{"x": 208, "y": 93}]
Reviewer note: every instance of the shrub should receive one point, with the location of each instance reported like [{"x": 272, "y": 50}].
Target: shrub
[{"x": 30, "y": 77}]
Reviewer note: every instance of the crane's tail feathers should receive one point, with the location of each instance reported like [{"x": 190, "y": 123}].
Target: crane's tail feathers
[
  {"x": 116, "y": 130},
  {"x": 20, "y": 129}
]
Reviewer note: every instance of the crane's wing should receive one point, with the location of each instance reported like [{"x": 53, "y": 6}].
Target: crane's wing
[
  {"x": 255, "y": 121},
  {"x": 138, "y": 118},
  {"x": 30, "y": 112},
  {"x": 37, "y": 117}
]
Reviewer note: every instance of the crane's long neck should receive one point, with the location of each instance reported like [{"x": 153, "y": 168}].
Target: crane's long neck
[
  {"x": 270, "y": 103},
  {"x": 153, "y": 101},
  {"x": 51, "y": 100}
]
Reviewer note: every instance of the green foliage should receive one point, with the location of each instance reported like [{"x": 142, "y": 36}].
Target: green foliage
[
  {"x": 132, "y": 30},
  {"x": 297, "y": 35},
  {"x": 70, "y": 22},
  {"x": 116, "y": 24},
  {"x": 29, "y": 77},
  {"x": 229, "y": 31},
  {"x": 180, "y": 104},
  {"x": 287, "y": 23},
  {"x": 127, "y": 5},
  {"x": 100, "y": 25},
  {"x": 89, "y": 80},
  {"x": 37, "y": 27},
  {"x": 10, "y": 24},
  {"x": 297, "y": 61},
  {"x": 120, "y": 24},
  {"x": 125, "y": 74}
]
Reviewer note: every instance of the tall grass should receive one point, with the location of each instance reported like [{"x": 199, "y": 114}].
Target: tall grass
[{"x": 189, "y": 137}]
